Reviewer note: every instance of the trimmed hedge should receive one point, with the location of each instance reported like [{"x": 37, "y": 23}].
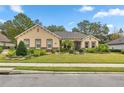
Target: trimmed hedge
[
  {"x": 71, "y": 51},
  {"x": 115, "y": 50},
  {"x": 81, "y": 51},
  {"x": 1, "y": 49},
  {"x": 91, "y": 50},
  {"x": 122, "y": 51},
  {"x": 38, "y": 52}
]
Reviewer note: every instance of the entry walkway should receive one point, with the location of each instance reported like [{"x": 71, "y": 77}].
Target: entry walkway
[{"x": 61, "y": 65}]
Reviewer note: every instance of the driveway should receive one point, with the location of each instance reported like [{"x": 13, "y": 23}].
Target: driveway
[
  {"x": 62, "y": 80},
  {"x": 61, "y": 65}
]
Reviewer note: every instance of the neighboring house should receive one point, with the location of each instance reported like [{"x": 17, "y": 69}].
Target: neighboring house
[
  {"x": 39, "y": 37},
  {"x": 4, "y": 41},
  {"x": 116, "y": 44}
]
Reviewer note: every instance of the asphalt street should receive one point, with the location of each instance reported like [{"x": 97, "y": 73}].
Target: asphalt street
[{"x": 62, "y": 80}]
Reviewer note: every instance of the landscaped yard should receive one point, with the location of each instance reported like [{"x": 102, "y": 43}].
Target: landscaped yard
[{"x": 72, "y": 58}]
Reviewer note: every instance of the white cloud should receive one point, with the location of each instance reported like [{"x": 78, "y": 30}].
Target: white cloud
[
  {"x": 86, "y": 8},
  {"x": 16, "y": 8},
  {"x": 110, "y": 12},
  {"x": 2, "y": 21},
  {"x": 110, "y": 26},
  {"x": 70, "y": 23}
]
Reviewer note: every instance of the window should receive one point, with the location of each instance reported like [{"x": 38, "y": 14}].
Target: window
[
  {"x": 27, "y": 42},
  {"x": 38, "y": 43},
  {"x": 87, "y": 44},
  {"x": 93, "y": 44},
  {"x": 49, "y": 43}
]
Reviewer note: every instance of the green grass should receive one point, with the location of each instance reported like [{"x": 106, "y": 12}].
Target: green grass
[
  {"x": 71, "y": 58},
  {"x": 86, "y": 58},
  {"x": 73, "y": 69}
]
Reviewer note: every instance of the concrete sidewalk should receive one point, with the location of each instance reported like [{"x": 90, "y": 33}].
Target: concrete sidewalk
[{"x": 61, "y": 65}]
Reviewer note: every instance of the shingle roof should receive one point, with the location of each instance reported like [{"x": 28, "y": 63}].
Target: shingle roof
[
  {"x": 70, "y": 35},
  {"x": 117, "y": 41},
  {"x": 3, "y": 38}
]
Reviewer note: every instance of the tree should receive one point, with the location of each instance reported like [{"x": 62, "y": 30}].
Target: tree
[
  {"x": 121, "y": 31},
  {"x": 54, "y": 28},
  {"x": 22, "y": 22},
  {"x": 114, "y": 36},
  {"x": 102, "y": 33},
  {"x": 9, "y": 30},
  {"x": 75, "y": 29},
  {"x": 19, "y": 24},
  {"x": 21, "y": 49},
  {"x": 37, "y": 21},
  {"x": 67, "y": 44},
  {"x": 95, "y": 28},
  {"x": 84, "y": 26}
]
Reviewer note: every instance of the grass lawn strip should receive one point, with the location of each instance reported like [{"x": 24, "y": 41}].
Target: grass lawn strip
[
  {"x": 71, "y": 58},
  {"x": 73, "y": 69}
]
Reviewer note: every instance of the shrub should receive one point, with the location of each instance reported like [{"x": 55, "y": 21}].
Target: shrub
[
  {"x": 71, "y": 51},
  {"x": 81, "y": 51},
  {"x": 122, "y": 51},
  {"x": 64, "y": 50},
  {"x": 103, "y": 48},
  {"x": 38, "y": 52},
  {"x": 115, "y": 50},
  {"x": 43, "y": 52},
  {"x": 30, "y": 51},
  {"x": 53, "y": 51},
  {"x": 21, "y": 49},
  {"x": 57, "y": 50},
  {"x": 1, "y": 49},
  {"x": 91, "y": 50},
  {"x": 11, "y": 53}
]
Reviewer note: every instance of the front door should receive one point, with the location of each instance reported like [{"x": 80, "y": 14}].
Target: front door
[{"x": 77, "y": 45}]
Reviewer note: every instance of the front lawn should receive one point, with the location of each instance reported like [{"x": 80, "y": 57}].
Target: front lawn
[
  {"x": 72, "y": 58},
  {"x": 86, "y": 58},
  {"x": 74, "y": 69}
]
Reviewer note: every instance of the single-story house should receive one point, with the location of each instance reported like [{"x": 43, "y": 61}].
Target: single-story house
[
  {"x": 116, "y": 44},
  {"x": 39, "y": 37},
  {"x": 4, "y": 41}
]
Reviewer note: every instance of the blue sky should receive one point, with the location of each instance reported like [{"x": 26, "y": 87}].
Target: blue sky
[{"x": 67, "y": 15}]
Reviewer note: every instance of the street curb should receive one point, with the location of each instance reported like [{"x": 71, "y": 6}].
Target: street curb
[{"x": 55, "y": 72}]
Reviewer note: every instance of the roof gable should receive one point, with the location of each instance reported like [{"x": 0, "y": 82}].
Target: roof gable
[
  {"x": 89, "y": 36},
  {"x": 3, "y": 38},
  {"x": 41, "y": 28}
]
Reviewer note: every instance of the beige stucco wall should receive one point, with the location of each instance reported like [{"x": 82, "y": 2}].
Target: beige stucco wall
[
  {"x": 90, "y": 39},
  {"x": 41, "y": 34}
]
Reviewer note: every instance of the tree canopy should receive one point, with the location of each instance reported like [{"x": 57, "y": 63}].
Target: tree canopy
[
  {"x": 75, "y": 29},
  {"x": 93, "y": 28},
  {"x": 19, "y": 24},
  {"x": 54, "y": 28}
]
